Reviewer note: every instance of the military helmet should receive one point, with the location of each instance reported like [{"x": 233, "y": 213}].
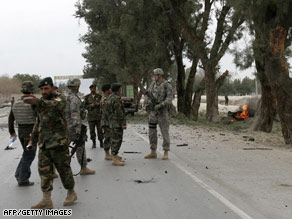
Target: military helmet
[
  {"x": 27, "y": 87},
  {"x": 158, "y": 71},
  {"x": 73, "y": 82}
]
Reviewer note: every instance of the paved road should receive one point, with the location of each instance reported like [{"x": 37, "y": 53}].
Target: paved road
[{"x": 169, "y": 191}]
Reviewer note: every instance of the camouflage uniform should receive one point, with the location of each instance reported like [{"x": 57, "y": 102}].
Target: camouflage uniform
[
  {"x": 25, "y": 117},
  {"x": 52, "y": 135},
  {"x": 94, "y": 115},
  {"x": 117, "y": 119},
  {"x": 105, "y": 123},
  {"x": 75, "y": 113},
  {"x": 163, "y": 94}
]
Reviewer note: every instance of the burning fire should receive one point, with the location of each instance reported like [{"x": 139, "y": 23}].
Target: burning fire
[{"x": 242, "y": 116}]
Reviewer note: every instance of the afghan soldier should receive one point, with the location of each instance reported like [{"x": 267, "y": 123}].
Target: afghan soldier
[
  {"x": 75, "y": 114},
  {"x": 51, "y": 133},
  {"x": 159, "y": 98},
  {"x": 92, "y": 104},
  {"x": 25, "y": 117},
  {"x": 106, "y": 89},
  {"x": 117, "y": 123}
]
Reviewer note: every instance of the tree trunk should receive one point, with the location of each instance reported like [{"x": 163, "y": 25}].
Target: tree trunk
[
  {"x": 212, "y": 113},
  {"x": 180, "y": 84},
  {"x": 266, "y": 109},
  {"x": 197, "y": 101},
  {"x": 189, "y": 90},
  {"x": 278, "y": 75}
]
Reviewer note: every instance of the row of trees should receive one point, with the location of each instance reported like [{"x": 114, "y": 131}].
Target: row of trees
[
  {"x": 242, "y": 87},
  {"x": 127, "y": 39}
]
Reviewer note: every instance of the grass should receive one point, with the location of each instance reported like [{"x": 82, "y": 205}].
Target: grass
[{"x": 225, "y": 123}]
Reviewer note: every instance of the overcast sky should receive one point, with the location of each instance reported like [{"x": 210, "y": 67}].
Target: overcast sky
[{"x": 41, "y": 37}]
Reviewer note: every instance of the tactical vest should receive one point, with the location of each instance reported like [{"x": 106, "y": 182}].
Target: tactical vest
[{"x": 23, "y": 113}]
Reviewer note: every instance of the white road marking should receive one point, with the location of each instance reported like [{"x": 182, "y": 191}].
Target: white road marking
[{"x": 217, "y": 195}]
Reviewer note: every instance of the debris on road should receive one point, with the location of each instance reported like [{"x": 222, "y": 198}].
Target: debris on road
[
  {"x": 182, "y": 145},
  {"x": 132, "y": 152},
  {"x": 144, "y": 181},
  {"x": 267, "y": 149}
]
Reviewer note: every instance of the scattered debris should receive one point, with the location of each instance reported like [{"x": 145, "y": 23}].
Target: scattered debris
[
  {"x": 89, "y": 159},
  {"x": 165, "y": 171},
  {"x": 9, "y": 148},
  {"x": 222, "y": 134},
  {"x": 132, "y": 152},
  {"x": 86, "y": 190},
  {"x": 247, "y": 138},
  {"x": 207, "y": 168},
  {"x": 144, "y": 181},
  {"x": 267, "y": 149},
  {"x": 182, "y": 145},
  {"x": 285, "y": 185}
]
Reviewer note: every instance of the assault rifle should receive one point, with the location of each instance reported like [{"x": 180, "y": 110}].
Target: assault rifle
[
  {"x": 81, "y": 139},
  {"x": 154, "y": 101}
]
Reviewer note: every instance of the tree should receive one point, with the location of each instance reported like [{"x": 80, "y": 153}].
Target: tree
[
  {"x": 271, "y": 22},
  {"x": 210, "y": 50}
]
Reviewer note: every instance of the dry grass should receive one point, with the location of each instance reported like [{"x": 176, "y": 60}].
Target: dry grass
[{"x": 9, "y": 86}]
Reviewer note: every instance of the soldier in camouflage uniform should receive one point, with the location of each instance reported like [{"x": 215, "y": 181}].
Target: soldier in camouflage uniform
[
  {"x": 92, "y": 104},
  {"x": 117, "y": 123},
  {"x": 51, "y": 133},
  {"x": 158, "y": 100},
  {"x": 25, "y": 117},
  {"x": 75, "y": 116},
  {"x": 106, "y": 88}
]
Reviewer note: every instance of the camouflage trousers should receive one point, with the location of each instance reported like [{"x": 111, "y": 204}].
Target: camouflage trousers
[
  {"x": 107, "y": 138},
  {"x": 116, "y": 139},
  {"x": 162, "y": 119},
  {"x": 81, "y": 155},
  {"x": 60, "y": 157},
  {"x": 92, "y": 125}
]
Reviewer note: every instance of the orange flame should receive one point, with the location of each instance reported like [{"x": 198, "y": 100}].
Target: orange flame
[{"x": 244, "y": 115}]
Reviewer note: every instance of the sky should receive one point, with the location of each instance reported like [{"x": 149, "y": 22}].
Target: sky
[{"x": 42, "y": 37}]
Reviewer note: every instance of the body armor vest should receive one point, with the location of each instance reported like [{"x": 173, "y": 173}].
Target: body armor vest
[{"x": 23, "y": 113}]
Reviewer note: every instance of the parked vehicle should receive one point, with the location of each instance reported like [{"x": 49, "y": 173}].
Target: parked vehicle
[{"x": 129, "y": 106}]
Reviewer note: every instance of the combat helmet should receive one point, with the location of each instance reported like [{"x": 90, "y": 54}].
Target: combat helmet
[
  {"x": 27, "y": 87},
  {"x": 158, "y": 71},
  {"x": 73, "y": 82}
]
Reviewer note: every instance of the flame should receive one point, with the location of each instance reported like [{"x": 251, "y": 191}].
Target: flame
[{"x": 244, "y": 115}]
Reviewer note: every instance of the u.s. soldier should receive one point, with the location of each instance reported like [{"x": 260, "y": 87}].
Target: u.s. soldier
[
  {"x": 117, "y": 123},
  {"x": 158, "y": 100},
  {"x": 25, "y": 117},
  {"x": 92, "y": 103},
  {"x": 75, "y": 114},
  {"x": 51, "y": 133}
]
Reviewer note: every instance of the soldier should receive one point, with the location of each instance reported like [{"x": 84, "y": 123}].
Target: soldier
[
  {"x": 25, "y": 117},
  {"x": 51, "y": 133},
  {"x": 75, "y": 113},
  {"x": 117, "y": 123},
  {"x": 92, "y": 104},
  {"x": 159, "y": 98},
  {"x": 106, "y": 88}
]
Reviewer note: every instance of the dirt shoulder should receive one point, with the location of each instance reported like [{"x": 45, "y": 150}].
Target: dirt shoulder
[{"x": 251, "y": 169}]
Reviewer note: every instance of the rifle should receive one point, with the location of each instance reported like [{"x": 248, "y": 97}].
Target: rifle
[
  {"x": 154, "y": 101},
  {"x": 81, "y": 139}
]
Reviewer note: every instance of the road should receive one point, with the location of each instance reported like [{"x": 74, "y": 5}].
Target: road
[{"x": 141, "y": 189}]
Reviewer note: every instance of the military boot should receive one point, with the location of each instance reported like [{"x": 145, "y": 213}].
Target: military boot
[
  {"x": 93, "y": 144},
  {"x": 117, "y": 162},
  {"x": 165, "y": 155},
  {"x": 86, "y": 171},
  {"x": 107, "y": 156},
  {"x": 45, "y": 203},
  {"x": 71, "y": 197},
  {"x": 101, "y": 143},
  {"x": 152, "y": 155}
]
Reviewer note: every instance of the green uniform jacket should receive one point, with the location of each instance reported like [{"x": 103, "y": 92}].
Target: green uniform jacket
[
  {"x": 104, "y": 109},
  {"x": 117, "y": 116},
  {"x": 51, "y": 127},
  {"x": 94, "y": 113}
]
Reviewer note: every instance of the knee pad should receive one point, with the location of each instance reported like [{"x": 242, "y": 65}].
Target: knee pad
[{"x": 152, "y": 125}]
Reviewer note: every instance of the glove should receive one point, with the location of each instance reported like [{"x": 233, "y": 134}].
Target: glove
[{"x": 157, "y": 107}]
